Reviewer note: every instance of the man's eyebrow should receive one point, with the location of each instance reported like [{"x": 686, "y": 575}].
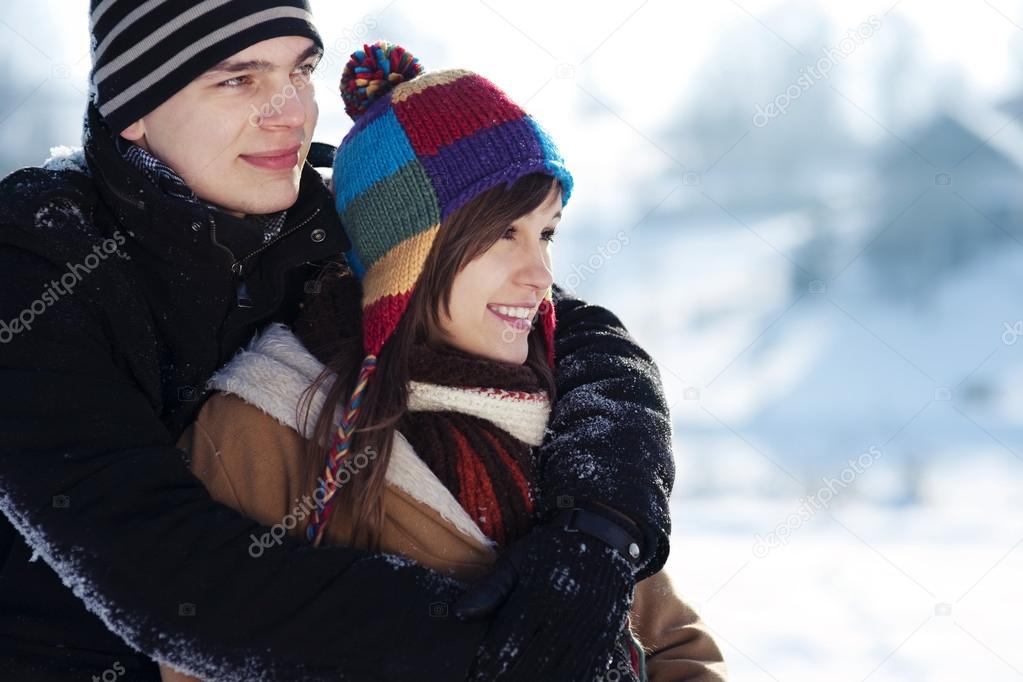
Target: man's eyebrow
[{"x": 228, "y": 66}]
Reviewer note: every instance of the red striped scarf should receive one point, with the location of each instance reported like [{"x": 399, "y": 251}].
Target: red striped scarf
[{"x": 471, "y": 421}]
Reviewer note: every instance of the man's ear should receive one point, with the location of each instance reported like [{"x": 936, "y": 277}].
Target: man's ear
[{"x": 135, "y": 132}]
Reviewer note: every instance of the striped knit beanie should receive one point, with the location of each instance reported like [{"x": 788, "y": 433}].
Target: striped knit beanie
[
  {"x": 423, "y": 145},
  {"x": 145, "y": 52}
]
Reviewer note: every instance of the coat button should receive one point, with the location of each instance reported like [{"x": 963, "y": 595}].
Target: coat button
[
  {"x": 196, "y": 226},
  {"x": 634, "y": 550},
  {"x": 318, "y": 235}
]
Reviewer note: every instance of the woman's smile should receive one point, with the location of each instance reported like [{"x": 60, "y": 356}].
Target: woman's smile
[{"x": 519, "y": 318}]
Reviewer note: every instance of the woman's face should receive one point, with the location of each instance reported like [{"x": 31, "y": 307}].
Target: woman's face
[{"x": 495, "y": 298}]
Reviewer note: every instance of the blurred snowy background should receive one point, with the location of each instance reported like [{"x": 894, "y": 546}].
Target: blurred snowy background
[{"x": 811, "y": 214}]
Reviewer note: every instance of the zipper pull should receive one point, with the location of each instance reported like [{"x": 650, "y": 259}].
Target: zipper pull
[{"x": 242, "y": 293}]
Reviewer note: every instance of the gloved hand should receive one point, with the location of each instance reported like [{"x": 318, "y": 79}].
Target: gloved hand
[{"x": 561, "y": 599}]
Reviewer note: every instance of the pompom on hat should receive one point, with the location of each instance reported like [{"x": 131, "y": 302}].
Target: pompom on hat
[{"x": 423, "y": 145}]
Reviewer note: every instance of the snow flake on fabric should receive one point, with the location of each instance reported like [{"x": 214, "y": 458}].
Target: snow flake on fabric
[{"x": 63, "y": 158}]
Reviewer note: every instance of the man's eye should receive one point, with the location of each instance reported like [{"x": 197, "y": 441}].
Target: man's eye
[
  {"x": 235, "y": 82},
  {"x": 308, "y": 69}
]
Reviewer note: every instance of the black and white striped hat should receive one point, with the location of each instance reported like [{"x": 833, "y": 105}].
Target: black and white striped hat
[{"x": 145, "y": 51}]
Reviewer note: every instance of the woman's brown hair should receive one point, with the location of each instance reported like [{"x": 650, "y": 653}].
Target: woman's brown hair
[{"x": 467, "y": 233}]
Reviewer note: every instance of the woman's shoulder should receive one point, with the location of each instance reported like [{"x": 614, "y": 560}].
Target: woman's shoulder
[
  {"x": 229, "y": 428},
  {"x": 245, "y": 457},
  {"x": 274, "y": 373},
  {"x": 229, "y": 414}
]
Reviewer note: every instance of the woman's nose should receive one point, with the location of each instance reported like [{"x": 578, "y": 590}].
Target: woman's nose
[{"x": 536, "y": 270}]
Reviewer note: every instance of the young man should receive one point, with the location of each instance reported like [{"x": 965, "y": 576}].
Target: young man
[{"x": 193, "y": 221}]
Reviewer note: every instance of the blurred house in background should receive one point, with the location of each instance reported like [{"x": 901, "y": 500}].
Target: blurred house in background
[{"x": 975, "y": 154}]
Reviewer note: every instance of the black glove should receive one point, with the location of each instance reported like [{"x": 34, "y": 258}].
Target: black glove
[{"x": 561, "y": 599}]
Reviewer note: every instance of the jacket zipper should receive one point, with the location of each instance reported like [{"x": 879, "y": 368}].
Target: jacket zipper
[
  {"x": 242, "y": 298},
  {"x": 239, "y": 265}
]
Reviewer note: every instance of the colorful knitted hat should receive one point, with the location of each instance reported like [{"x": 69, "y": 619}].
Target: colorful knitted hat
[{"x": 423, "y": 145}]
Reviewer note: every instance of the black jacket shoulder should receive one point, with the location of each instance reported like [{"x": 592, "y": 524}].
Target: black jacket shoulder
[{"x": 49, "y": 212}]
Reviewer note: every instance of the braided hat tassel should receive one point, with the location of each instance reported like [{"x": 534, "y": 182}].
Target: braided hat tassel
[{"x": 339, "y": 453}]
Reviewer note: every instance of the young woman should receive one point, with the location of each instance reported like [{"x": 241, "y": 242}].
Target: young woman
[{"x": 410, "y": 426}]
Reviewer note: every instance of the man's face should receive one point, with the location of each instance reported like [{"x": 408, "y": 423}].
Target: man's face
[{"x": 240, "y": 133}]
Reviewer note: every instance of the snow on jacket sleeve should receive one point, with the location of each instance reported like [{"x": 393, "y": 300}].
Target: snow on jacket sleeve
[
  {"x": 609, "y": 440},
  {"x": 137, "y": 536}
]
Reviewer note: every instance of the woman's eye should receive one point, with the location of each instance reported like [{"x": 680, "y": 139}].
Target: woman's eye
[{"x": 547, "y": 236}]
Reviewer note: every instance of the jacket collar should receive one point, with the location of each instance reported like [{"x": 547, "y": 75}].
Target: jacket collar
[
  {"x": 153, "y": 216},
  {"x": 273, "y": 372}
]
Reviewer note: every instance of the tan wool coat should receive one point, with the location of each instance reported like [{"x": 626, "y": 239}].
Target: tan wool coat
[{"x": 246, "y": 448}]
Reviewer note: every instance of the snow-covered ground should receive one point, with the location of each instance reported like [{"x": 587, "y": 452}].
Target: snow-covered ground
[
  {"x": 927, "y": 592},
  {"x": 848, "y": 502}
]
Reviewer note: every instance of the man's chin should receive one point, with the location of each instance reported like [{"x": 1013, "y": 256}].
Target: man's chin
[
  {"x": 264, "y": 207},
  {"x": 266, "y": 202},
  {"x": 275, "y": 196}
]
